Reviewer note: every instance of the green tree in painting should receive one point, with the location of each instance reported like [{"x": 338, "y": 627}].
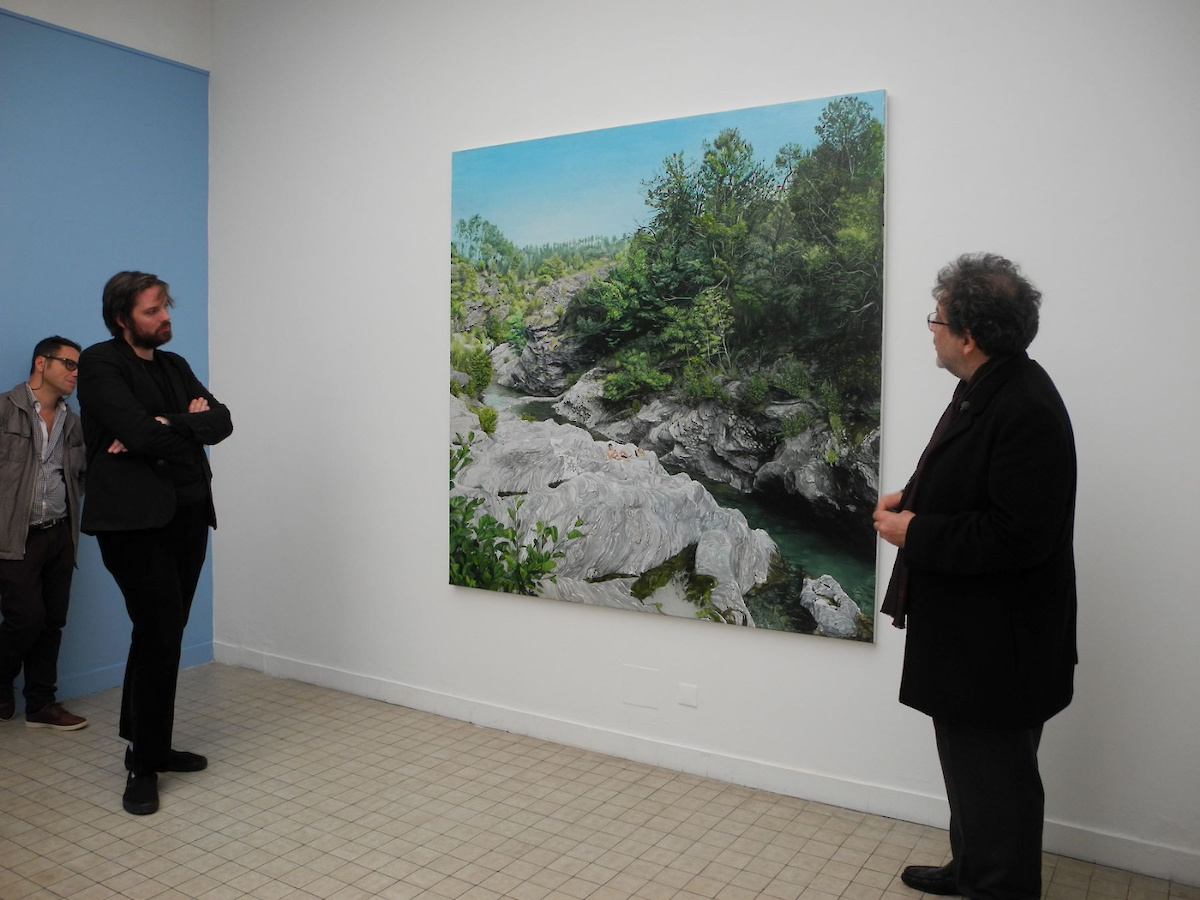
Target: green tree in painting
[
  {"x": 635, "y": 374},
  {"x": 745, "y": 267},
  {"x": 485, "y": 245},
  {"x": 743, "y": 263}
]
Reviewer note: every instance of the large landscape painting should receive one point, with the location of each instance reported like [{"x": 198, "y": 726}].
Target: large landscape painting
[{"x": 665, "y": 366}]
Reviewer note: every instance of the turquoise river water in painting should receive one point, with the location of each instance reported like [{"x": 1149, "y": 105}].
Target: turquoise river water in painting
[{"x": 805, "y": 548}]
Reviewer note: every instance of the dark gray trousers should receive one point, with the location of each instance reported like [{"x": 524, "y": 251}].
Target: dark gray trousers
[{"x": 996, "y": 809}]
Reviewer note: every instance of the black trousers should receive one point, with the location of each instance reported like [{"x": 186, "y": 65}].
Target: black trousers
[
  {"x": 34, "y": 594},
  {"x": 157, "y": 570},
  {"x": 997, "y": 807}
]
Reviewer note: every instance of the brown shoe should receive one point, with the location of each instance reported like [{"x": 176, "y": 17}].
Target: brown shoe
[{"x": 52, "y": 715}]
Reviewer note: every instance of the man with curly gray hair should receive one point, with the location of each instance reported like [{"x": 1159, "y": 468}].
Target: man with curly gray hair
[{"x": 984, "y": 578}]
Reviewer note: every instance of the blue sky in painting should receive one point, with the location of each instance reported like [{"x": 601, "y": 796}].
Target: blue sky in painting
[{"x": 591, "y": 183}]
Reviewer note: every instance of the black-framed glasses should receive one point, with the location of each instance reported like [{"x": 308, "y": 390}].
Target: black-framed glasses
[
  {"x": 932, "y": 320},
  {"x": 71, "y": 364}
]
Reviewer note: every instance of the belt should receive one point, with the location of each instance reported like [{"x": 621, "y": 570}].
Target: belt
[{"x": 48, "y": 524}]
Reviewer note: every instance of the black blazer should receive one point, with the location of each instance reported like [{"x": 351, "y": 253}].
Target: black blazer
[
  {"x": 990, "y": 558},
  {"x": 117, "y": 399}
]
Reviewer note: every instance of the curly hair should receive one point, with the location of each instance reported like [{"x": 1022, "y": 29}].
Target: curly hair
[
  {"x": 986, "y": 295},
  {"x": 120, "y": 292}
]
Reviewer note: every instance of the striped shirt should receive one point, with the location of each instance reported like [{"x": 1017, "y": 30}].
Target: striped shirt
[{"x": 50, "y": 487}]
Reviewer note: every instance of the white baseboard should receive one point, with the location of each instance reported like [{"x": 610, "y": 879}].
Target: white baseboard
[{"x": 1061, "y": 838}]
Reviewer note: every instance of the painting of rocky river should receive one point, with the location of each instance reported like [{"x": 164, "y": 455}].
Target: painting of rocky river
[{"x": 665, "y": 366}]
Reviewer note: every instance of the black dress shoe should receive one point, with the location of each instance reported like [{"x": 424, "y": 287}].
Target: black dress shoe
[
  {"x": 141, "y": 794},
  {"x": 176, "y": 761},
  {"x": 931, "y": 880}
]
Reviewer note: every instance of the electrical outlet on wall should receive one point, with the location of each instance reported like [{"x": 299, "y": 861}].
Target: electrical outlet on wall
[
  {"x": 689, "y": 695},
  {"x": 641, "y": 686}
]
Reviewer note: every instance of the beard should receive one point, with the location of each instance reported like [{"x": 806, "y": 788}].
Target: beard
[{"x": 149, "y": 340}]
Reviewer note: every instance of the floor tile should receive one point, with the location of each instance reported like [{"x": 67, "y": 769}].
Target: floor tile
[{"x": 336, "y": 797}]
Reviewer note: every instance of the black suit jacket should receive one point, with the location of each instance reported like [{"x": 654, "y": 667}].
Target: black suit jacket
[
  {"x": 990, "y": 558},
  {"x": 118, "y": 400}
]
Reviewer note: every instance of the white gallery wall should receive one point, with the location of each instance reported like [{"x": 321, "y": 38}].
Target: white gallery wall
[
  {"x": 1062, "y": 134},
  {"x": 180, "y": 30}
]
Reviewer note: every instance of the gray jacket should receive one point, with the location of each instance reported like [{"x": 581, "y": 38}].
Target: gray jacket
[{"x": 18, "y": 468}]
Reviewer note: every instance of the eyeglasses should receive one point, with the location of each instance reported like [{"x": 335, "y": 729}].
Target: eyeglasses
[
  {"x": 71, "y": 364},
  {"x": 932, "y": 320}
]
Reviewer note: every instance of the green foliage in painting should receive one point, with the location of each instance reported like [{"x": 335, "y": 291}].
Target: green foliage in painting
[
  {"x": 487, "y": 553},
  {"x": 551, "y": 269},
  {"x": 464, "y": 289},
  {"x": 484, "y": 245},
  {"x": 697, "y": 588},
  {"x": 634, "y": 375},
  {"x": 487, "y": 418},
  {"x": 480, "y": 370},
  {"x": 515, "y": 333},
  {"x": 795, "y": 424},
  {"x": 744, "y": 264},
  {"x": 755, "y": 390},
  {"x": 698, "y": 384},
  {"x": 792, "y": 378},
  {"x": 743, "y": 261}
]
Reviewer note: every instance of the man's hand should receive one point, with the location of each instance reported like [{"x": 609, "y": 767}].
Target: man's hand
[
  {"x": 200, "y": 404},
  {"x": 890, "y": 502},
  {"x": 117, "y": 447},
  {"x": 890, "y": 521}
]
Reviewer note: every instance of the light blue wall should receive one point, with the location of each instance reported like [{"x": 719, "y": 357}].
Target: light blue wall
[{"x": 103, "y": 167}]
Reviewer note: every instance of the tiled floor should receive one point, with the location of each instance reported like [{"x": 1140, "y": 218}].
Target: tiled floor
[{"x": 316, "y": 794}]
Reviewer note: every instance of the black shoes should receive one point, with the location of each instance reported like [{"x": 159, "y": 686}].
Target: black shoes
[
  {"x": 8, "y": 705},
  {"x": 141, "y": 791},
  {"x": 931, "y": 880},
  {"x": 176, "y": 761},
  {"x": 141, "y": 794}
]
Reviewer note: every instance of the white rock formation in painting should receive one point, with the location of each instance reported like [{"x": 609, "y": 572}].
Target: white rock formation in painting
[{"x": 635, "y": 515}]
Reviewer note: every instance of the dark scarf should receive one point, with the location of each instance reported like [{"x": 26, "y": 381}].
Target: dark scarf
[{"x": 895, "y": 600}]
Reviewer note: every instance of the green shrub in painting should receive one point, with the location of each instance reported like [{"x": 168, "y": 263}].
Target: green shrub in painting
[
  {"x": 473, "y": 359},
  {"x": 635, "y": 375},
  {"x": 486, "y": 553},
  {"x": 487, "y": 419}
]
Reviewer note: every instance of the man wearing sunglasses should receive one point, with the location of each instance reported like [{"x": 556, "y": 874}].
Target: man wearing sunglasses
[
  {"x": 985, "y": 578},
  {"x": 41, "y": 479}
]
